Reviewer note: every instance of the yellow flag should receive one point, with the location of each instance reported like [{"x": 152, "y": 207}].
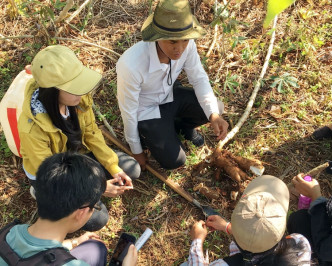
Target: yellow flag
[{"x": 274, "y": 7}]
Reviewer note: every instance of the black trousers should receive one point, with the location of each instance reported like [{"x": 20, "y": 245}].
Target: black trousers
[
  {"x": 160, "y": 135},
  {"x": 300, "y": 222}
]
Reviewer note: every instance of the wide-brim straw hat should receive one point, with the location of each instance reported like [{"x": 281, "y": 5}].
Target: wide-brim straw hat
[{"x": 172, "y": 20}]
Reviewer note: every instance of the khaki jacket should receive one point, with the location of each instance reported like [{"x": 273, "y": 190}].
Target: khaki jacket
[{"x": 41, "y": 139}]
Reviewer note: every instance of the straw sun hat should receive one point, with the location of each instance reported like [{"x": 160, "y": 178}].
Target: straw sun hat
[{"x": 171, "y": 20}]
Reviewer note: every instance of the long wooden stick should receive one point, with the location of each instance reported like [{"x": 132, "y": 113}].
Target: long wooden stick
[
  {"x": 162, "y": 177},
  {"x": 246, "y": 113}
]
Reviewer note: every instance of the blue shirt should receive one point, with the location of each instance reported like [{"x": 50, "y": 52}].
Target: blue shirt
[{"x": 26, "y": 245}]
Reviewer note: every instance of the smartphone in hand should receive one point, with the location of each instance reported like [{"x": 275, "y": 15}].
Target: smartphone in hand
[{"x": 121, "y": 249}]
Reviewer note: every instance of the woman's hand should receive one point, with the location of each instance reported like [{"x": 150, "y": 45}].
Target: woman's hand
[
  {"x": 199, "y": 231},
  {"x": 310, "y": 189},
  {"x": 219, "y": 126},
  {"x": 131, "y": 258},
  {"x": 113, "y": 190},
  {"x": 215, "y": 222},
  {"x": 123, "y": 179}
]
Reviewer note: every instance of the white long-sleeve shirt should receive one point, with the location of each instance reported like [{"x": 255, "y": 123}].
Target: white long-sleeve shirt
[{"x": 142, "y": 86}]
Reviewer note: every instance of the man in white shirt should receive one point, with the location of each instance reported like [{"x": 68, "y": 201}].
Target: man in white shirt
[{"x": 155, "y": 107}]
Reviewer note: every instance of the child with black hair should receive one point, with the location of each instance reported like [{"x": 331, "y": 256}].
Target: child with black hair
[
  {"x": 68, "y": 187},
  {"x": 258, "y": 225},
  {"x": 316, "y": 222}
]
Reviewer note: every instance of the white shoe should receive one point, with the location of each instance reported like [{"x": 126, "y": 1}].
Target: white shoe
[{"x": 32, "y": 192}]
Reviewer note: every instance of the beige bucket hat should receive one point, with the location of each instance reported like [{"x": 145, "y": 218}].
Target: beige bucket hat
[
  {"x": 172, "y": 20},
  {"x": 259, "y": 218}
]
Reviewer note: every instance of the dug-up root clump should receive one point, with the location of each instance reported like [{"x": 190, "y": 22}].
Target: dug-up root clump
[{"x": 223, "y": 162}]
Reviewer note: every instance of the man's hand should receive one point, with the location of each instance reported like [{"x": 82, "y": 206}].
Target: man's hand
[
  {"x": 113, "y": 190},
  {"x": 219, "y": 126},
  {"x": 215, "y": 222},
  {"x": 310, "y": 189},
  {"x": 87, "y": 236},
  {"x": 123, "y": 179},
  {"x": 142, "y": 159},
  {"x": 199, "y": 231},
  {"x": 131, "y": 258}
]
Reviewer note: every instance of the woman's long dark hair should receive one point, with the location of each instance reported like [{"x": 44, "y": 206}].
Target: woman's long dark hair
[
  {"x": 49, "y": 97},
  {"x": 285, "y": 253}
]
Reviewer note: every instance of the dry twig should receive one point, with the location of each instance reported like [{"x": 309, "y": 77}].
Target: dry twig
[
  {"x": 64, "y": 11},
  {"x": 67, "y": 21},
  {"x": 109, "y": 127},
  {"x": 88, "y": 43}
]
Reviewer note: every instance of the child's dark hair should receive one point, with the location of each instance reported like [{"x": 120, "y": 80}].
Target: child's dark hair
[
  {"x": 67, "y": 181},
  {"x": 49, "y": 97},
  {"x": 285, "y": 253}
]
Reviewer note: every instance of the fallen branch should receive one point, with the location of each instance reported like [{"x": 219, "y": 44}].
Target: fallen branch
[
  {"x": 88, "y": 43},
  {"x": 213, "y": 43},
  {"x": 107, "y": 125},
  {"x": 15, "y": 37},
  {"x": 246, "y": 113}
]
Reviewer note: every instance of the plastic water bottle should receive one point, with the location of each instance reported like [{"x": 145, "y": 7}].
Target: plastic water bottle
[{"x": 304, "y": 201}]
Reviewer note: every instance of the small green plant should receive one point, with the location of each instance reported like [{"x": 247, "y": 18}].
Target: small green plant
[
  {"x": 231, "y": 83},
  {"x": 284, "y": 82},
  {"x": 4, "y": 149}
]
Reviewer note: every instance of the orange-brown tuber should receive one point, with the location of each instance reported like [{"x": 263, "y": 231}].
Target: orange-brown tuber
[
  {"x": 230, "y": 168},
  {"x": 253, "y": 165},
  {"x": 206, "y": 191}
]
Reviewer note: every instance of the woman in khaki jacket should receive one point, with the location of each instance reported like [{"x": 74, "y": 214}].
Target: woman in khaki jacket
[{"x": 57, "y": 116}]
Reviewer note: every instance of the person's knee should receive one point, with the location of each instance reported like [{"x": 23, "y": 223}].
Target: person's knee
[
  {"x": 129, "y": 165},
  {"x": 98, "y": 219},
  {"x": 169, "y": 162},
  {"x": 92, "y": 251}
]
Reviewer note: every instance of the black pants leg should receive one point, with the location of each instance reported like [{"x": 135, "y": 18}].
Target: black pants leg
[
  {"x": 300, "y": 222},
  {"x": 160, "y": 135}
]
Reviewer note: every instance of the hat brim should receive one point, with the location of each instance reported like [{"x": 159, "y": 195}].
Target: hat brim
[
  {"x": 82, "y": 84},
  {"x": 151, "y": 33}
]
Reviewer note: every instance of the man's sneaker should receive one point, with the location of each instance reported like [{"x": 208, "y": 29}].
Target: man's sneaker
[
  {"x": 32, "y": 192},
  {"x": 328, "y": 169},
  {"x": 192, "y": 135},
  {"x": 322, "y": 133}
]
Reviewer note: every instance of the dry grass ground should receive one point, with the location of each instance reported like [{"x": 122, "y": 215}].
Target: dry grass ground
[{"x": 277, "y": 131}]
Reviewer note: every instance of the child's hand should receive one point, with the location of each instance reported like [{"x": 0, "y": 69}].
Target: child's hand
[
  {"x": 310, "y": 189},
  {"x": 215, "y": 222},
  {"x": 199, "y": 231}
]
